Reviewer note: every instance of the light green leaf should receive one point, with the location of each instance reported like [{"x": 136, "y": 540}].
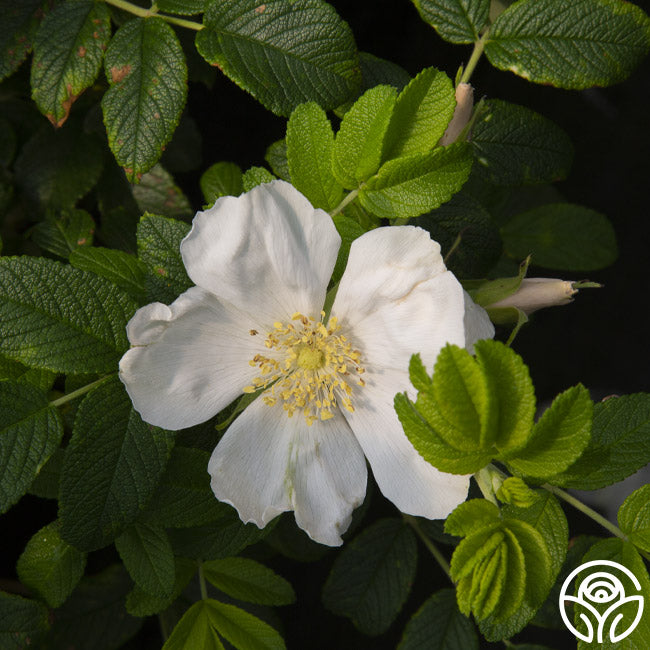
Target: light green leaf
[
  {"x": 22, "y": 622},
  {"x": 148, "y": 557},
  {"x": 515, "y": 492},
  {"x": 68, "y": 52},
  {"x": 94, "y": 616},
  {"x": 422, "y": 113},
  {"x": 559, "y": 437},
  {"x": 20, "y": 21},
  {"x": 372, "y": 576},
  {"x": 570, "y": 43},
  {"x": 159, "y": 241},
  {"x": 243, "y": 630},
  {"x": 146, "y": 70},
  {"x": 195, "y": 630},
  {"x": 562, "y": 236},
  {"x": 124, "y": 270},
  {"x": 517, "y": 146},
  {"x": 413, "y": 185},
  {"x": 349, "y": 230},
  {"x": 182, "y": 7},
  {"x": 112, "y": 466},
  {"x": 309, "y": 145},
  {"x": 438, "y": 624},
  {"x": 61, "y": 235},
  {"x": 158, "y": 193},
  {"x": 276, "y": 157},
  {"x": 471, "y": 516},
  {"x": 418, "y": 375},
  {"x": 276, "y": 51},
  {"x": 30, "y": 432},
  {"x": 249, "y": 581},
  {"x": 634, "y": 517},
  {"x": 57, "y": 317},
  {"x": 359, "y": 143},
  {"x": 221, "y": 179},
  {"x": 457, "y": 21},
  {"x": 256, "y": 176},
  {"x": 50, "y": 566}
]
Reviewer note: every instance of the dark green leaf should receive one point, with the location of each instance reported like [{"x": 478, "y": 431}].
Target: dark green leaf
[
  {"x": 146, "y": 70},
  {"x": 458, "y": 21},
  {"x": 57, "y": 317},
  {"x": 157, "y": 193},
  {"x": 68, "y": 52},
  {"x": 570, "y": 43},
  {"x": 221, "y": 179},
  {"x": 517, "y": 146},
  {"x": 46, "y": 483},
  {"x": 276, "y": 157},
  {"x": 276, "y": 51},
  {"x": 22, "y": 621},
  {"x": 30, "y": 432},
  {"x": 182, "y": 7},
  {"x": 16, "y": 371},
  {"x": 562, "y": 236},
  {"x": 61, "y": 235},
  {"x": 372, "y": 577},
  {"x": 50, "y": 566},
  {"x": 112, "y": 466}
]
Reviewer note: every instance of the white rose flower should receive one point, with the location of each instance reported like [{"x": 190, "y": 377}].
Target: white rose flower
[{"x": 262, "y": 263}]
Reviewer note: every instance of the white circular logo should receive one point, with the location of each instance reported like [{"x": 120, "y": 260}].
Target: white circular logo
[{"x": 605, "y": 589}]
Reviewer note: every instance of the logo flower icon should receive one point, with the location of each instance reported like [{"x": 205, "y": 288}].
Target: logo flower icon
[{"x": 600, "y": 601}]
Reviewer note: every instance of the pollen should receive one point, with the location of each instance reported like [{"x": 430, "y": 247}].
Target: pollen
[{"x": 310, "y": 368}]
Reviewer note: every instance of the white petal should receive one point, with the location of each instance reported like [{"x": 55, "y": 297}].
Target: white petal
[
  {"x": 403, "y": 476},
  {"x": 268, "y": 250},
  {"x": 267, "y": 463},
  {"x": 477, "y": 324},
  {"x": 396, "y": 298},
  {"x": 190, "y": 360}
]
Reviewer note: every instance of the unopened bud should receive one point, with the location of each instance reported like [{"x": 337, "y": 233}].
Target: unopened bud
[
  {"x": 537, "y": 293},
  {"x": 462, "y": 113}
]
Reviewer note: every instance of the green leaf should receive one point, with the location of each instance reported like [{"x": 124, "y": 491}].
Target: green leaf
[
  {"x": 457, "y": 21},
  {"x": 634, "y": 517},
  {"x": 250, "y": 43},
  {"x": 158, "y": 193},
  {"x": 195, "y": 630},
  {"x": 243, "y": 630},
  {"x": 358, "y": 148},
  {"x": 30, "y": 432},
  {"x": 16, "y": 371},
  {"x": 517, "y": 146},
  {"x": 418, "y": 375},
  {"x": 515, "y": 492},
  {"x": 112, "y": 466},
  {"x": 221, "y": 179},
  {"x": 182, "y": 7},
  {"x": 559, "y": 437},
  {"x": 73, "y": 229},
  {"x": 256, "y": 176},
  {"x": 570, "y": 43},
  {"x": 22, "y": 622},
  {"x": 68, "y": 52},
  {"x": 372, "y": 576},
  {"x": 276, "y": 157},
  {"x": 46, "y": 483},
  {"x": 94, "y": 616},
  {"x": 466, "y": 232},
  {"x": 20, "y": 21},
  {"x": 562, "y": 236},
  {"x": 510, "y": 385},
  {"x": 619, "y": 446},
  {"x": 57, "y": 317},
  {"x": 422, "y": 113},
  {"x": 56, "y": 168},
  {"x": 146, "y": 70},
  {"x": 249, "y": 581},
  {"x": 471, "y": 516},
  {"x": 413, "y": 185},
  {"x": 50, "y": 566},
  {"x": 148, "y": 557},
  {"x": 159, "y": 241},
  {"x": 349, "y": 230},
  {"x": 438, "y": 624},
  {"x": 124, "y": 270},
  {"x": 309, "y": 145}
]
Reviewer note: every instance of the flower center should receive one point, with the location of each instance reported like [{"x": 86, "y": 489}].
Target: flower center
[{"x": 312, "y": 368}]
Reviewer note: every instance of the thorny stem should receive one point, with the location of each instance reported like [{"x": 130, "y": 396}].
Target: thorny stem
[
  {"x": 80, "y": 391},
  {"x": 148, "y": 13},
  {"x": 202, "y": 585},
  {"x": 432, "y": 548},
  {"x": 346, "y": 201},
  {"x": 474, "y": 58}
]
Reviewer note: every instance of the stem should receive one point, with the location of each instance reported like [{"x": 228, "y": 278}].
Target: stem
[
  {"x": 80, "y": 391},
  {"x": 432, "y": 548},
  {"x": 454, "y": 246},
  {"x": 346, "y": 201},
  {"x": 202, "y": 585},
  {"x": 476, "y": 55},
  {"x": 148, "y": 13}
]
